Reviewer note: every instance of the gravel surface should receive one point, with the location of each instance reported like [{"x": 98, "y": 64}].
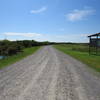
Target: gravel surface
[{"x": 48, "y": 75}]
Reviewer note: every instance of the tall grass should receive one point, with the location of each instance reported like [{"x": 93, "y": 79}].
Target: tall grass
[{"x": 80, "y": 52}]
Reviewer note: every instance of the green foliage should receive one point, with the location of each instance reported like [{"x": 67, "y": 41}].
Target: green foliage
[
  {"x": 12, "y": 59},
  {"x": 13, "y": 51},
  {"x": 9, "y": 48}
]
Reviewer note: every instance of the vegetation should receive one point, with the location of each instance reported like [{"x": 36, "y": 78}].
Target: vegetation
[
  {"x": 9, "y": 48},
  {"x": 13, "y": 51},
  {"x": 80, "y": 52},
  {"x": 12, "y": 59}
]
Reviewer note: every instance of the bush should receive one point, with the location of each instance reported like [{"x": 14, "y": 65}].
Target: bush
[{"x": 9, "y": 48}]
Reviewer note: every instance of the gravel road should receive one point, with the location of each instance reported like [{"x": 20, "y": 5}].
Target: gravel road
[{"x": 49, "y": 75}]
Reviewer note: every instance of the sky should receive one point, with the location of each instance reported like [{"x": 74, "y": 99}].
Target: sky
[{"x": 49, "y": 20}]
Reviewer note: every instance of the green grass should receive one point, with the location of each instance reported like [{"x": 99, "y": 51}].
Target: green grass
[
  {"x": 92, "y": 61},
  {"x": 12, "y": 59}
]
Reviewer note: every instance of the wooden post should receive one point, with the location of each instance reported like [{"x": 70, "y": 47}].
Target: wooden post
[
  {"x": 97, "y": 45},
  {"x": 89, "y": 45}
]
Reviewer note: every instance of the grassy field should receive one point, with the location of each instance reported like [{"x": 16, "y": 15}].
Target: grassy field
[
  {"x": 12, "y": 59},
  {"x": 80, "y": 52}
]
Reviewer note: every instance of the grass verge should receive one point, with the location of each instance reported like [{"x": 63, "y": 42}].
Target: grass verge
[
  {"x": 91, "y": 60},
  {"x": 12, "y": 59}
]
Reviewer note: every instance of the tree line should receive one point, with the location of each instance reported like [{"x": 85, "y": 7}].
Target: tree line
[{"x": 9, "y": 48}]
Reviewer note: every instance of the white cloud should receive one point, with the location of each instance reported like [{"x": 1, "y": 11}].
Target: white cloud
[
  {"x": 47, "y": 37},
  {"x": 64, "y": 37},
  {"x": 22, "y": 34},
  {"x": 76, "y": 14},
  {"x": 39, "y": 10}
]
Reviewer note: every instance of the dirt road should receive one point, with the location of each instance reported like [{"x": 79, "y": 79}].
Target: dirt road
[{"x": 48, "y": 75}]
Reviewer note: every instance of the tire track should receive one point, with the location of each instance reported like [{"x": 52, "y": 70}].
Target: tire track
[{"x": 48, "y": 75}]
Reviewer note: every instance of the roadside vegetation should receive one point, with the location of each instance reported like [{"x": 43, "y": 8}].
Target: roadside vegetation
[
  {"x": 12, "y": 59},
  {"x": 80, "y": 52},
  {"x": 9, "y": 48},
  {"x": 13, "y": 51}
]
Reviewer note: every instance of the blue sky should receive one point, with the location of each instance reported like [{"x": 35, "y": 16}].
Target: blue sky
[{"x": 52, "y": 20}]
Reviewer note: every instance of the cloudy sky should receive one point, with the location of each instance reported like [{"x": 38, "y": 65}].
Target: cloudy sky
[{"x": 52, "y": 20}]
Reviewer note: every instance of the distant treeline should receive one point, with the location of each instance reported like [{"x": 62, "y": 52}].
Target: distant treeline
[
  {"x": 9, "y": 48},
  {"x": 72, "y": 43}
]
